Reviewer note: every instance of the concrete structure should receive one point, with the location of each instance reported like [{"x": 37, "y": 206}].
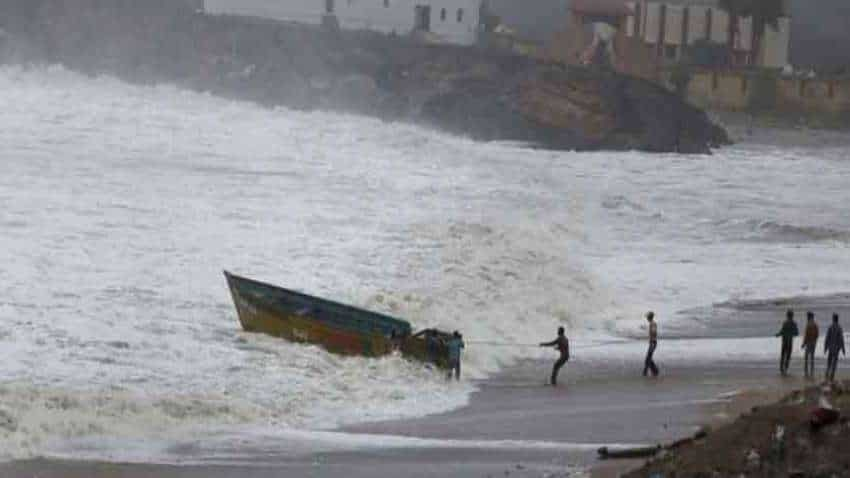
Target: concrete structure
[
  {"x": 731, "y": 90},
  {"x": 443, "y": 21},
  {"x": 672, "y": 25},
  {"x": 601, "y": 30},
  {"x": 650, "y": 34}
]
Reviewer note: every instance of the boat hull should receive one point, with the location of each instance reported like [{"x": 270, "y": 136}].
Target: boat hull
[
  {"x": 339, "y": 328},
  {"x": 270, "y": 310}
]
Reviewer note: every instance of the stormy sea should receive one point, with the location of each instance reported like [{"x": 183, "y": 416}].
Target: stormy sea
[{"x": 121, "y": 205}]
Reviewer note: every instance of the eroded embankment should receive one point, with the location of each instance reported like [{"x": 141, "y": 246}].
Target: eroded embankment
[{"x": 774, "y": 441}]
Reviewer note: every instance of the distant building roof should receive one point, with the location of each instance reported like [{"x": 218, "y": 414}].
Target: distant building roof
[
  {"x": 690, "y": 3},
  {"x": 601, "y": 7}
]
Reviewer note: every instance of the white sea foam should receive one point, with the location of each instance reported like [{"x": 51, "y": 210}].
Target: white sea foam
[{"x": 120, "y": 205}]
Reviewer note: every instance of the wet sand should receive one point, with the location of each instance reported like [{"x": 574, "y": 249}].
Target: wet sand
[
  {"x": 550, "y": 430},
  {"x": 517, "y": 426}
]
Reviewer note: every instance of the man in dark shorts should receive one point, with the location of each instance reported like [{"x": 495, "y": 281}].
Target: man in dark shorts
[
  {"x": 810, "y": 342},
  {"x": 649, "y": 363},
  {"x": 788, "y": 332},
  {"x": 563, "y": 346},
  {"x": 834, "y": 343},
  {"x": 454, "y": 347}
]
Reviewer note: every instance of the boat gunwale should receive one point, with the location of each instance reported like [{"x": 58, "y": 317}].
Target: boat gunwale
[{"x": 347, "y": 313}]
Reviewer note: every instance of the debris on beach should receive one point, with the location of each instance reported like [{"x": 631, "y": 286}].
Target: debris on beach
[
  {"x": 807, "y": 434},
  {"x": 606, "y": 453}
]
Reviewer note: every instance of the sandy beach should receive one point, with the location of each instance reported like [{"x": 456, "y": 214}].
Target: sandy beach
[{"x": 514, "y": 426}]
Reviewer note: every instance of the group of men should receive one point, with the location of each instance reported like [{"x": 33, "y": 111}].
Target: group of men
[{"x": 833, "y": 345}]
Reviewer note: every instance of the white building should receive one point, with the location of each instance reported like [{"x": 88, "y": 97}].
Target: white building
[{"x": 446, "y": 21}]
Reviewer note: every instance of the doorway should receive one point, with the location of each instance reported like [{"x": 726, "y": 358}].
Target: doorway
[{"x": 423, "y": 18}]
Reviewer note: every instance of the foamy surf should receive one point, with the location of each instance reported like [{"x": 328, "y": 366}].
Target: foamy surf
[{"x": 121, "y": 204}]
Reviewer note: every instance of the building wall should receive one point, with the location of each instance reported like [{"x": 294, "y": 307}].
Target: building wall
[
  {"x": 731, "y": 90},
  {"x": 301, "y": 11},
  {"x": 720, "y": 90},
  {"x": 672, "y": 25},
  {"x": 814, "y": 95},
  {"x": 776, "y": 46},
  {"x": 459, "y": 24},
  {"x": 568, "y": 44},
  {"x": 386, "y": 16},
  {"x": 633, "y": 56}
]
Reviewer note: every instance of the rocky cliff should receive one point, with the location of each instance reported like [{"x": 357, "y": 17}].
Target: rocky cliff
[{"x": 480, "y": 93}]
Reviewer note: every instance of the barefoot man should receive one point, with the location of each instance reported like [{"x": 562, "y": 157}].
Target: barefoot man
[
  {"x": 788, "y": 332},
  {"x": 810, "y": 341},
  {"x": 649, "y": 363},
  {"x": 834, "y": 344},
  {"x": 563, "y": 346}
]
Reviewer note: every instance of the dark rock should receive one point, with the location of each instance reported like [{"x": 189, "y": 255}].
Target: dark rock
[{"x": 479, "y": 93}]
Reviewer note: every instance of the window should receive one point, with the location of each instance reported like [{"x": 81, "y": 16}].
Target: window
[
  {"x": 670, "y": 51},
  {"x": 329, "y": 6},
  {"x": 386, "y": 3},
  {"x": 459, "y": 15},
  {"x": 443, "y": 14},
  {"x": 423, "y": 18}
]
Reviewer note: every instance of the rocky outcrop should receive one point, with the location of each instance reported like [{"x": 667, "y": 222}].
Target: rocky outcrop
[{"x": 484, "y": 94}]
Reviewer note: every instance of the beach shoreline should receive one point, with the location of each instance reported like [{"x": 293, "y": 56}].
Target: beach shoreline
[
  {"x": 716, "y": 415},
  {"x": 804, "y": 433},
  {"x": 510, "y": 427},
  {"x": 514, "y": 423}
]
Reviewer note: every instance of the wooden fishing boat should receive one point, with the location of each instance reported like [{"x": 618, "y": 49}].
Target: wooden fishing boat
[{"x": 339, "y": 328}]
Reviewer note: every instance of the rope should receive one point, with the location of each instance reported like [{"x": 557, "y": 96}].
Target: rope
[
  {"x": 516, "y": 344},
  {"x": 500, "y": 344}
]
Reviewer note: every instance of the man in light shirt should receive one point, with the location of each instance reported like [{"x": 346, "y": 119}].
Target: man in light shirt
[{"x": 649, "y": 364}]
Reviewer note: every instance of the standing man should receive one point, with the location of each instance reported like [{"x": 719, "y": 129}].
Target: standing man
[
  {"x": 788, "y": 332},
  {"x": 649, "y": 363},
  {"x": 834, "y": 343},
  {"x": 810, "y": 341},
  {"x": 563, "y": 346},
  {"x": 454, "y": 346}
]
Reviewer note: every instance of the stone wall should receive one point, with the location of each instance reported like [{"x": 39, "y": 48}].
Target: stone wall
[{"x": 732, "y": 90}]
